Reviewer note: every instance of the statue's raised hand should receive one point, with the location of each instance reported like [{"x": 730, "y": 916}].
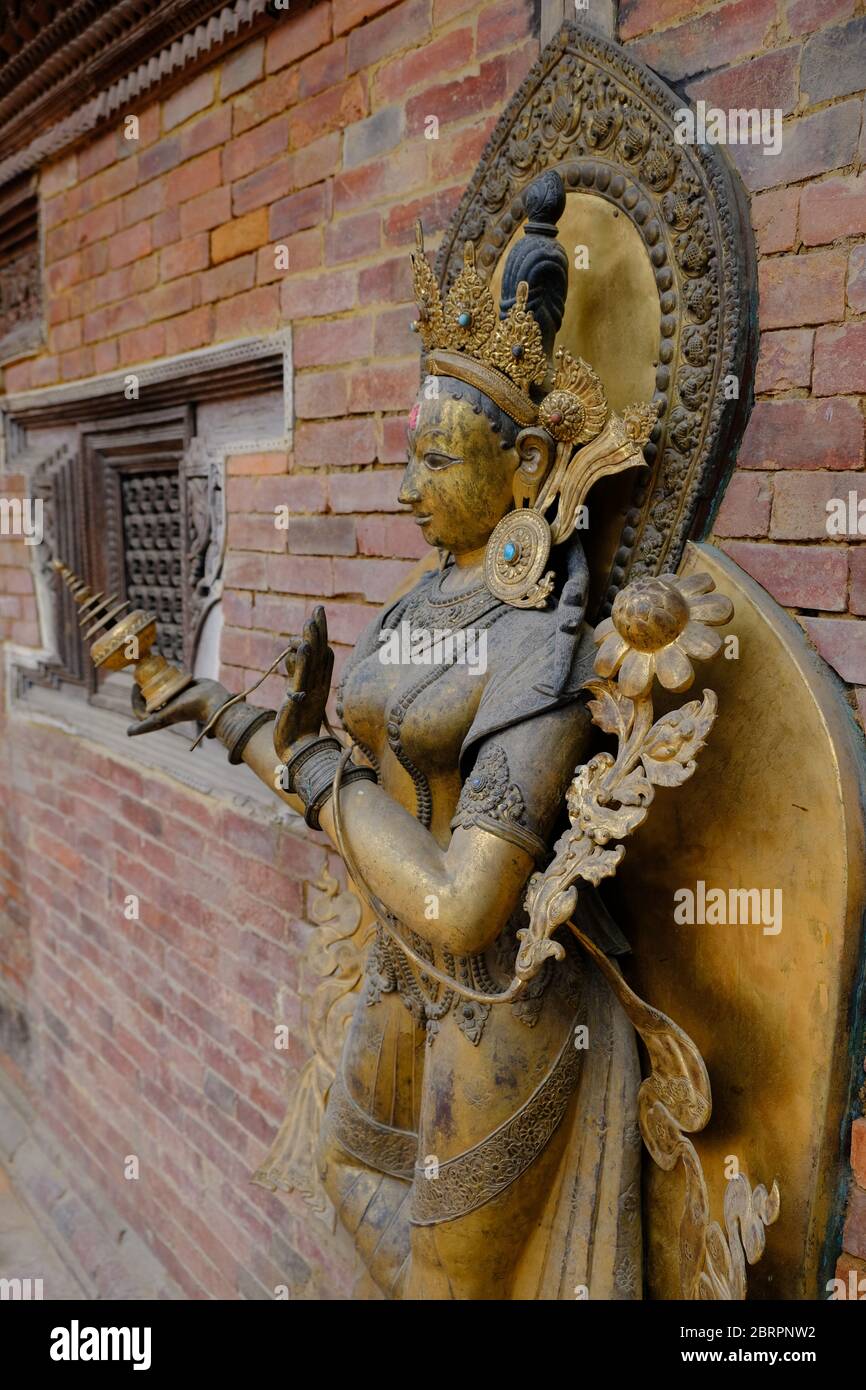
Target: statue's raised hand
[
  {"x": 200, "y": 701},
  {"x": 309, "y": 665}
]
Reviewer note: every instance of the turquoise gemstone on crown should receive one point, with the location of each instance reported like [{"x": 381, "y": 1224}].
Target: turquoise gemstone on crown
[
  {"x": 464, "y": 319},
  {"x": 509, "y": 551}
]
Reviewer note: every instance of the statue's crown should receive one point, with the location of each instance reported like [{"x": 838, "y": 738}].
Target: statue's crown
[{"x": 465, "y": 337}]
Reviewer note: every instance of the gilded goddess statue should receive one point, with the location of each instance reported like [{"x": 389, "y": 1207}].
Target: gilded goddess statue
[
  {"x": 475, "y": 1109},
  {"x": 481, "y": 1138}
]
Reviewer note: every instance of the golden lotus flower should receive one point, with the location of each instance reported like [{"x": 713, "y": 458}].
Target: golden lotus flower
[{"x": 655, "y": 626}]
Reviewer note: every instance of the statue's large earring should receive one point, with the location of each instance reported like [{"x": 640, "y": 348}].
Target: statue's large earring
[{"x": 519, "y": 548}]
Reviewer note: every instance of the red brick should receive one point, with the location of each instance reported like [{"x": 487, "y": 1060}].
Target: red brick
[
  {"x": 184, "y": 257},
  {"x": 313, "y": 295},
  {"x": 335, "y": 443},
  {"x": 321, "y": 535},
  {"x": 230, "y": 278},
  {"x": 245, "y": 233},
  {"x": 159, "y": 159},
  {"x": 130, "y": 245},
  {"x": 858, "y": 1151},
  {"x": 63, "y": 174},
  {"x": 387, "y": 281},
  {"x": 97, "y": 155},
  {"x": 316, "y": 161},
  {"x": 74, "y": 364},
  {"x": 768, "y": 82},
  {"x": 105, "y": 357},
  {"x": 774, "y": 218},
  {"x": 840, "y": 360},
  {"x": 806, "y": 15},
  {"x": 797, "y": 576},
  {"x": 189, "y": 331},
  {"x": 745, "y": 509},
  {"x": 803, "y": 434},
  {"x": 140, "y": 204},
  {"x": 373, "y": 579},
  {"x": 393, "y": 447},
  {"x": 102, "y": 222},
  {"x": 458, "y": 151},
  {"x": 434, "y": 211},
  {"x": 295, "y": 37},
  {"x": 205, "y": 212},
  {"x": 248, "y": 152},
  {"x": 143, "y": 345},
  {"x": 352, "y": 238},
  {"x": 193, "y": 96},
  {"x": 446, "y": 54},
  {"x": 455, "y": 101},
  {"x": 637, "y": 16},
  {"x": 857, "y": 596},
  {"x": 833, "y": 208},
  {"x": 722, "y": 36},
  {"x": 373, "y": 183},
  {"x": 242, "y": 67},
  {"x": 842, "y": 644},
  {"x": 262, "y": 188},
  {"x": 193, "y": 178},
  {"x": 212, "y": 131},
  {"x": 166, "y": 227},
  {"x": 293, "y": 574},
  {"x": 320, "y": 394},
  {"x": 800, "y": 502},
  {"x": 393, "y": 335},
  {"x": 856, "y": 285},
  {"x": 166, "y": 300},
  {"x": 391, "y": 537},
  {"x": 115, "y": 319},
  {"x": 323, "y": 69},
  {"x": 342, "y": 340},
  {"x": 811, "y": 145},
  {"x": 266, "y": 99},
  {"x": 799, "y": 290},
  {"x": 305, "y": 492},
  {"x": 46, "y": 370},
  {"x": 349, "y": 14},
  {"x": 504, "y": 25},
  {"x": 386, "y": 386},
  {"x": 333, "y": 109},
  {"x": 784, "y": 360},
  {"x": 308, "y": 208},
  {"x": 257, "y": 311},
  {"x": 254, "y": 533},
  {"x": 257, "y": 465},
  {"x": 303, "y": 252}
]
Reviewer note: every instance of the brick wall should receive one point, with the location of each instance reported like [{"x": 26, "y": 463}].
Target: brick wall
[{"x": 156, "y": 1036}]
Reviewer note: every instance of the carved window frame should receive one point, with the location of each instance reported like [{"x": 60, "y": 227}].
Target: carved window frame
[{"x": 109, "y": 433}]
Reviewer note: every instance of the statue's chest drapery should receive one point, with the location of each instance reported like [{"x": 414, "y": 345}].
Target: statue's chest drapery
[{"x": 416, "y": 694}]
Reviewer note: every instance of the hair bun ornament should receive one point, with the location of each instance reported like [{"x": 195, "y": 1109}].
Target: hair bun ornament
[{"x": 575, "y": 411}]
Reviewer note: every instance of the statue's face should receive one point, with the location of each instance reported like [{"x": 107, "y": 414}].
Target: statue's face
[{"x": 458, "y": 478}]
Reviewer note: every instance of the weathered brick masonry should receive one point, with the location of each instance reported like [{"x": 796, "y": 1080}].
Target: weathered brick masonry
[{"x": 155, "y": 1037}]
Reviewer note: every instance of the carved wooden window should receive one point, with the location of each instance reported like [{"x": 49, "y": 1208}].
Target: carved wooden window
[
  {"x": 134, "y": 516},
  {"x": 139, "y": 512},
  {"x": 134, "y": 491},
  {"x": 20, "y": 280}
]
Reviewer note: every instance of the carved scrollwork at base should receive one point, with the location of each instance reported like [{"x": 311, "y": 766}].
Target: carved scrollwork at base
[{"x": 337, "y": 957}]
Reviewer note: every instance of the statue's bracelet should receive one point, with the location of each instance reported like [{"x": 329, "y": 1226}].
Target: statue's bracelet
[
  {"x": 310, "y": 774},
  {"x": 237, "y": 725}
]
